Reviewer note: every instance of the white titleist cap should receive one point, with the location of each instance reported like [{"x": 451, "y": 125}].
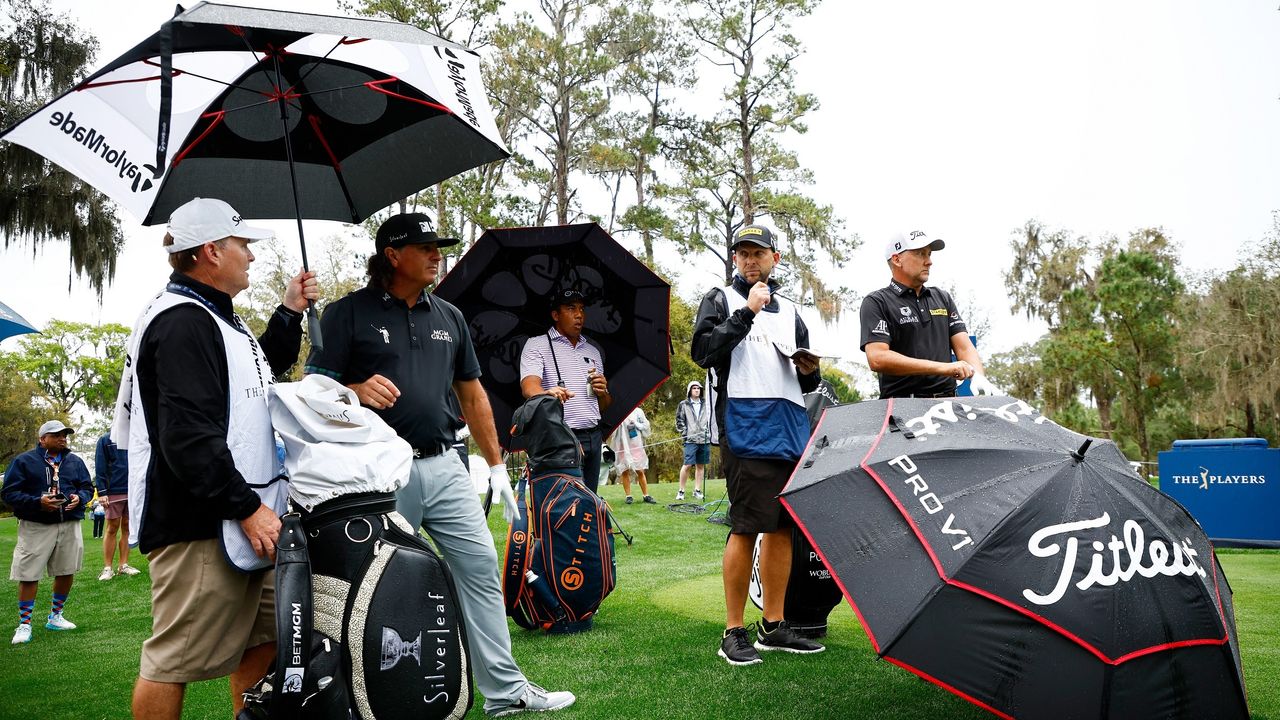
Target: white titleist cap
[
  {"x": 205, "y": 220},
  {"x": 914, "y": 240}
]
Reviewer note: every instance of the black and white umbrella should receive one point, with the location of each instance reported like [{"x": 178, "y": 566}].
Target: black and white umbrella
[{"x": 282, "y": 115}]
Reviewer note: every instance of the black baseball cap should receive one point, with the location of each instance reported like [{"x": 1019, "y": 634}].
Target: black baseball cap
[
  {"x": 756, "y": 235},
  {"x": 410, "y": 229},
  {"x": 569, "y": 296}
]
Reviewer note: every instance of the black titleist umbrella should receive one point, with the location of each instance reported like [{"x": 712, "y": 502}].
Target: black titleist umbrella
[
  {"x": 282, "y": 115},
  {"x": 504, "y": 283},
  {"x": 1020, "y": 565}
]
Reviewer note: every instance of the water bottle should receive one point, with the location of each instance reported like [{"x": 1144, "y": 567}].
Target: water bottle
[{"x": 544, "y": 594}]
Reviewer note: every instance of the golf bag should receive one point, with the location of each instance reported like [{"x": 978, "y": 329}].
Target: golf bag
[
  {"x": 384, "y": 637},
  {"x": 559, "y": 561},
  {"x": 368, "y": 620}
]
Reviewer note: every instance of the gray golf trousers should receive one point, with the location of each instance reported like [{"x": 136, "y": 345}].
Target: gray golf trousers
[{"x": 441, "y": 500}]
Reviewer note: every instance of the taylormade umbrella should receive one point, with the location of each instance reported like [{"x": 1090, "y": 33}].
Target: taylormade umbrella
[
  {"x": 503, "y": 286},
  {"x": 11, "y": 323},
  {"x": 282, "y": 115},
  {"x": 1018, "y": 564}
]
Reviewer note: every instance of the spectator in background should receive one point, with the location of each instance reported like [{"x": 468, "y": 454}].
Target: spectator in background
[
  {"x": 99, "y": 514},
  {"x": 628, "y": 442},
  {"x": 47, "y": 487},
  {"x": 693, "y": 422},
  {"x": 111, "y": 478}
]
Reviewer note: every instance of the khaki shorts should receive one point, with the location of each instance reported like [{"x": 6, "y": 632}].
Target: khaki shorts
[
  {"x": 117, "y": 506},
  {"x": 204, "y": 613},
  {"x": 55, "y": 548}
]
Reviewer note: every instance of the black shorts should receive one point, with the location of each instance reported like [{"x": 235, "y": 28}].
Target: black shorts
[{"x": 754, "y": 484}]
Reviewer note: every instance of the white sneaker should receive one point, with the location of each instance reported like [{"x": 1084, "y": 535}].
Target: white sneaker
[
  {"x": 127, "y": 569},
  {"x": 680, "y": 495},
  {"x": 22, "y": 634},
  {"x": 698, "y": 495},
  {"x": 106, "y": 574},
  {"x": 57, "y": 622},
  {"x": 535, "y": 699}
]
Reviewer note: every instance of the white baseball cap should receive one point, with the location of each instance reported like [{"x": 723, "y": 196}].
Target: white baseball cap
[
  {"x": 54, "y": 426},
  {"x": 914, "y": 240},
  {"x": 204, "y": 220}
]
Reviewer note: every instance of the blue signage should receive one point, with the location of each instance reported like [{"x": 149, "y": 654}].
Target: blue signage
[{"x": 1232, "y": 487}]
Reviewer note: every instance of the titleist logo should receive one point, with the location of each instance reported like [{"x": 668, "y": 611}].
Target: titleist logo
[{"x": 1129, "y": 555}]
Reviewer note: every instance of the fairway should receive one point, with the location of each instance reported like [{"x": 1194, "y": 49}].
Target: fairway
[{"x": 651, "y": 654}]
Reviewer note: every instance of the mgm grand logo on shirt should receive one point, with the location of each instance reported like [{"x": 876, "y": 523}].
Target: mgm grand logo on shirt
[{"x": 1205, "y": 479}]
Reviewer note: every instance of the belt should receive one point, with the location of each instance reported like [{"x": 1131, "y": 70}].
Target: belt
[
  {"x": 931, "y": 395},
  {"x": 585, "y": 431},
  {"x": 419, "y": 453}
]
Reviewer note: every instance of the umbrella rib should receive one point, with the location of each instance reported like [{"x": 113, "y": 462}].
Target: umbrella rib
[{"x": 341, "y": 41}]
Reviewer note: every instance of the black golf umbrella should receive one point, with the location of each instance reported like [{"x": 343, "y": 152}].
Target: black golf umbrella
[
  {"x": 282, "y": 115},
  {"x": 1020, "y": 565},
  {"x": 504, "y": 283}
]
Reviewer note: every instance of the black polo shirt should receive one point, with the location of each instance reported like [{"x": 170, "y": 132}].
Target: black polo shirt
[
  {"x": 422, "y": 349},
  {"x": 915, "y": 326}
]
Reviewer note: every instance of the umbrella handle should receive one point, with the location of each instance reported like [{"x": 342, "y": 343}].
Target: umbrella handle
[{"x": 313, "y": 326}]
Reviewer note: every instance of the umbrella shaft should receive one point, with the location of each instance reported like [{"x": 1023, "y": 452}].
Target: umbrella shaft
[{"x": 288, "y": 153}]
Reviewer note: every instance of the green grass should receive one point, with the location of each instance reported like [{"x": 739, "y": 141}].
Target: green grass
[{"x": 651, "y": 654}]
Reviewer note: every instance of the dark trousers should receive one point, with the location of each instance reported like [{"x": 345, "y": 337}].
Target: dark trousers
[
  {"x": 97, "y": 525},
  {"x": 590, "y": 441}
]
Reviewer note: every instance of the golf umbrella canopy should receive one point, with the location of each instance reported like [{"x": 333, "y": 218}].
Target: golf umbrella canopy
[
  {"x": 1018, "y": 564},
  {"x": 372, "y": 111},
  {"x": 504, "y": 285},
  {"x": 11, "y": 323}
]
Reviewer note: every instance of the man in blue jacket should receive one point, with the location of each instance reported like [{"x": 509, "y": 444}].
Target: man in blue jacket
[
  {"x": 48, "y": 488},
  {"x": 111, "y": 478}
]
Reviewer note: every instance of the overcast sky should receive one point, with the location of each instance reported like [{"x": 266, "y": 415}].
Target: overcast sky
[{"x": 960, "y": 119}]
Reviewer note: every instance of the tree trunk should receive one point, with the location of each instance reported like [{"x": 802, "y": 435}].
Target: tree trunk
[{"x": 1250, "y": 420}]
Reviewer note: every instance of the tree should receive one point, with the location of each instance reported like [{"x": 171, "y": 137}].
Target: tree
[
  {"x": 76, "y": 366},
  {"x": 1230, "y": 354},
  {"x": 629, "y": 142},
  {"x": 41, "y": 54},
  {"x": 339, "y": 271},
  {"x": 736, "y": 161},
  {"x": 1112, "y": 329},
  {"x": 19, "y": 417},
  {"x": 554, "y": 78}
]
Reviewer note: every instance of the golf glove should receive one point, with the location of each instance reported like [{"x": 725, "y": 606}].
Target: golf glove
[
  {"x": 501, "y": 484},
  {"x": 980, "y": 385}
]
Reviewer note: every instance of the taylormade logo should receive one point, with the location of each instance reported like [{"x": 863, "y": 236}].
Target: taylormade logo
[
  {"x": 459, "y": 84},
  {"x": 97, "y": 144}
]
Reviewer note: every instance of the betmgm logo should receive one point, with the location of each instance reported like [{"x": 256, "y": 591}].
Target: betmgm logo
[{"x": 395, "y": 649}]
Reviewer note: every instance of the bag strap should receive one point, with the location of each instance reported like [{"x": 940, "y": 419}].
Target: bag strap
[
  {"x": 293, "y": 630},
  {"x": 551, "y": 344}
]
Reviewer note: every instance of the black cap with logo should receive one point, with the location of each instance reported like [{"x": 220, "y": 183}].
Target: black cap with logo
[
  {"x": 756, "y": 235},
  {"x": 560, "y": 298},
  {"x": 410, "y": 229}
]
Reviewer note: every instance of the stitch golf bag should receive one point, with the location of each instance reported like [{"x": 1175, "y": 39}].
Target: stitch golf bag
[
  {"x": 559, "y": 561},
  {"x": 368, "y": 623}
]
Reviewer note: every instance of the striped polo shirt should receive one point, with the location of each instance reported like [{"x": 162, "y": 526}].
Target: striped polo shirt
[{"x": 582, "y": 411}]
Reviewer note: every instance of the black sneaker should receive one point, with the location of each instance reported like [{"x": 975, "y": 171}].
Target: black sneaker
[
  {"x": 649, "y": 499},
  {"x": 736, "y": 648},
  {"x": 630, "y": 499},
  {"x": 785, "y": 639}
]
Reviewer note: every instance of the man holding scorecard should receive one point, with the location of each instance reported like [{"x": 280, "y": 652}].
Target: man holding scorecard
[{"x": 759, "y": 410}]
